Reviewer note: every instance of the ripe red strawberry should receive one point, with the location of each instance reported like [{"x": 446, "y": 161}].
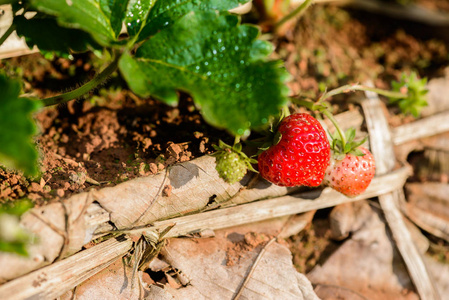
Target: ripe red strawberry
[
  {"x": 352, "y": 174},
  {"x": 301, "y": 156}
]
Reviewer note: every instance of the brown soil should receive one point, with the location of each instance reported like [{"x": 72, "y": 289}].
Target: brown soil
[
  {"x": 112, "y": 138},
  {"x": 241, "y": 244}
]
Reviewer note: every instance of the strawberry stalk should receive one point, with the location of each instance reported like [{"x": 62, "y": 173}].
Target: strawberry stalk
[
  {"x": 323, "y": 107},
  {"x": 341, "y": 133},
  {"x": 357, "y": 87},
  {"x": 237, "y": 140},
  {"x": 285, "y": 112}
]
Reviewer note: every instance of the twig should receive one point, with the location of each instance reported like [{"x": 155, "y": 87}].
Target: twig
[
  {"x": 7, "y": 33},
  {"x": 253, "y": 267},
  {"x": 161, "y": 187}
]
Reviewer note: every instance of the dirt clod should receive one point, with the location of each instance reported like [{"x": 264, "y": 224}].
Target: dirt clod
[
  {"x": 166, "y": 192},
  {"x": 241, "y": 244}
]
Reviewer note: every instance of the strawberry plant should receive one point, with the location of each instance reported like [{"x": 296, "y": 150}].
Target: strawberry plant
[
  {"x": 159, "y": 48},
  {"x": 163, "y": 47}
]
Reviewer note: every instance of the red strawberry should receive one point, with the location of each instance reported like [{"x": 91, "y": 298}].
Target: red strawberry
[
  {"x": 301, "y": 156},
  {"x": 352, "y": 174}
]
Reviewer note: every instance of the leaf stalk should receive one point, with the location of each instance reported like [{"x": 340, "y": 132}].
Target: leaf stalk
[
  {"x": 296, "y": 12},
  {"x": 84, "y": 89}
]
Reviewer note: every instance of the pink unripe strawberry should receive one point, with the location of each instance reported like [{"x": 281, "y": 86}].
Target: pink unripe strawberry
[
  {"x": 352, "y": 174},
  {"x": 301, "y": 156}
]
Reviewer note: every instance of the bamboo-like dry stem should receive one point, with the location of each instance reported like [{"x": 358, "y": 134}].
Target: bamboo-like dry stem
[
  {"x": 380, "y": 138},
  {"x": 275, "y": 207},
  {"x": 67, "y": 273},
  {"x": 54, "y": 280},
  {"x": 421, "y": 128}
]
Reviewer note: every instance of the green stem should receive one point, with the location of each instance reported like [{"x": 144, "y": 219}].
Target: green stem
[
  {"x": 296, "y": 12},
  {"x": 323, "y": 109},
  {"x": 237, "y": 139},
  {"x": 343, "y": 89},
  {"x": 358, "y": 87},
  {"x": 307, "y": 104},
  {"x": 285, "y": 111},
  {"x": 341, "y": 133},
  {"x": 97, "y": 80},
  {"x": 7, "y": 33}
]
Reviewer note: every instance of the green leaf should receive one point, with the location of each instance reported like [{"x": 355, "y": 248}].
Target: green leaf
[
  {"x": 17, "y": 247},
  {"x": 350, "y": 135},
  {"x": 338, "y": 145},
  {"x": 61, "y": 41},
  {"x": 13, "y": 238},
  {"x": 219, "y": 62},
  {"x": 101, "y": 18},
  {"x": 347, "y": 148},
  {"x": 166, "y": 12},
  {"x": 355, "y": 145},
  {"x": 357, "y": 152},
  {"x": 17, "y": 128},
  {"x": 416, "y": 94},
  {"x": 17, "y": 207},
  {"x": 115, "y": 11},
  {"x": 237, "y": 147},
  {"x": 136, "y": 15}
]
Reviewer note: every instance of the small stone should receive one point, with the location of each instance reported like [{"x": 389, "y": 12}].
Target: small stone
[
  {"x": 147, "y": 142},
  {"x": 202, "y": 146},
  {"x": 142, "y": 169},
  {"x": 153, "y": 168},
  {"x": 174, "y": 150},
  {"x": 60, "y": 192},
  {"x": 166, "y": 192},
  {"x": 78, "y": 178},
  {"x": 35, "y": 187}
]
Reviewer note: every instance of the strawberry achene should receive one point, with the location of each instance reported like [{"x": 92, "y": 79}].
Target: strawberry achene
[{"x": 301, "y": 156}]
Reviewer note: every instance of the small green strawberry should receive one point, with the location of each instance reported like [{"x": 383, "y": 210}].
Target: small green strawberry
[{"x": 231, "y": 163}]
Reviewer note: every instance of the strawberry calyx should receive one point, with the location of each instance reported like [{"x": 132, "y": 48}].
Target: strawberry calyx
[
  {"x": 271, "y": 136},
  {"x": 341, "y": 148},
  {"x": 231, "y": 162}
]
